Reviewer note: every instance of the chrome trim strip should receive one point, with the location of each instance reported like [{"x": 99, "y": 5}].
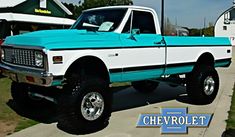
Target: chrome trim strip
[
  {"x": 21, "y": 66},
  {"x": 46, "y": 65},
  {"x": 42, "y": 78}
]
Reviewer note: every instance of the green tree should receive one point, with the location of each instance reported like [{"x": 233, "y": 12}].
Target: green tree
[
  {"x": 75, "y": 9},
  {"x": 209, "y": 31},
  {"x": 206, "y": 31},
  {"x": 169, "y": 28},
  {"x": 100, "y": 3},
  {"x": 194, "y": 32}
]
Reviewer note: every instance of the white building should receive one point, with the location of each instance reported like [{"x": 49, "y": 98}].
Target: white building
[{"x": 225, "y": 25}]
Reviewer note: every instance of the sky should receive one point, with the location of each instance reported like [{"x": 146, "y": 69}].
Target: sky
[{"x": 187, "y": 13}]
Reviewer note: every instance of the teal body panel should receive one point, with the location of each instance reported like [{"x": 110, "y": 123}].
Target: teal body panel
[
  {"x": 196, "y": 41},
  {"x": 81, "y": 39},
  {"x": 178, "y": 70},
  {"x": 141, "y": 40},
  {"x": 115, "y": 77},
  {"x": 222, "y": 64},
  {"x": 151, "y": 74},
  {"x": 136, "y": 75},
  {"x": 56, "y": 83},
  {"x": 65, "y": 39},
  {"x": 141, "y": 75}
]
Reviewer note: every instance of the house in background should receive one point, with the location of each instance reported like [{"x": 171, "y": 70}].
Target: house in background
[
  {"x": 22, "y": 16},
  {"x": 225, "y": 25}
]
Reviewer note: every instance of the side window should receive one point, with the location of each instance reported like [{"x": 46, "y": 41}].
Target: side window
[{"x": 143, "y": 21}]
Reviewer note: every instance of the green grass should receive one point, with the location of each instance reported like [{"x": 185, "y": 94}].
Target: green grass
[
  {"x": 231, "y": 117},
  {"x": 6, "y": 113},
  {"x": 24, "y": 123}
]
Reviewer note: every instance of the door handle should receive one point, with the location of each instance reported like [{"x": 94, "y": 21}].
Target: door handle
[{"x": 160, "y": 42}]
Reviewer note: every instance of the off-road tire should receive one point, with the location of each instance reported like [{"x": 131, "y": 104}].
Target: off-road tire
[
  {"x": 71, "y": 119},
  {"x": 196, "y": 84}
]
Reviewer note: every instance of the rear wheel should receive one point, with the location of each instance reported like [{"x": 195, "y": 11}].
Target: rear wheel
[
  {"x": 145, "y": 86},
  {"x": 86, "y": 106},
  {"x": 203, "y": 85}
]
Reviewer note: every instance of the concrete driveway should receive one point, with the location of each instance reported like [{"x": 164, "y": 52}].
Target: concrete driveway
[{"x": 129, "y": 104}]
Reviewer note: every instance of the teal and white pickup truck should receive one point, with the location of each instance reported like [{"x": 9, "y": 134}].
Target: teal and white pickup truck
[{"x": 107, "y": 45}]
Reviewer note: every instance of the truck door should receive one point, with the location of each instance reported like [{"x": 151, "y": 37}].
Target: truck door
[{"x": 143, "y": 54}]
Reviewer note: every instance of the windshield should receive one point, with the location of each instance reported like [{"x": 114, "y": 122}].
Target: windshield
[{"x": 105, "y": 20}]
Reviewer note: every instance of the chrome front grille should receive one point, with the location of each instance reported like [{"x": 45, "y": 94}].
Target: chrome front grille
[{"x": 25, "y": 57}]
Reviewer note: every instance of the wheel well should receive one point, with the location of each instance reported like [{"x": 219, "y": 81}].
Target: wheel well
[
  {"x": 89, "y": 65},
  {"x": 206, "y": 59}
]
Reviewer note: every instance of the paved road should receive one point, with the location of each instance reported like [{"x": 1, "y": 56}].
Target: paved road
[{"x": 128, "y": 104}]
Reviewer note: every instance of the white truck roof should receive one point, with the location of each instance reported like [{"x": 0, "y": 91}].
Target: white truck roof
[{"x": 128, "y": 7}]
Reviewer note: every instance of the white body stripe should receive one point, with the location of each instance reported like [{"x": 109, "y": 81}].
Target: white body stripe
[
  {"x": 191, "y": 54},
  {"x": 134, "y": 57}
]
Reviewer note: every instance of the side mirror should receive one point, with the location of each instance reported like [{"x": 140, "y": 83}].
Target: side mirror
[{"x": 135, "y": 31}]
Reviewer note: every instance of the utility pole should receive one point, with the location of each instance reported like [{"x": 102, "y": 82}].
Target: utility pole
[
  {"x": 162, "y": 17},
  {"x": 176, "y": 21},
  {"x": 204, "y": 26}
]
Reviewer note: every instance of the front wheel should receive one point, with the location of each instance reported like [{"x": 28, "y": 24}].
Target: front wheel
[
  {"x": 86, "y": 107},
  {"x": 203, "y": 85}
]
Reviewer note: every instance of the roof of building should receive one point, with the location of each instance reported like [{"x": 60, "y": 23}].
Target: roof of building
[
  {"x": 13, "y": 3},
  {"x": 36, "y": 19},
  {"x": 10, "y": 3},
  {"x": 223, "y": 14}
]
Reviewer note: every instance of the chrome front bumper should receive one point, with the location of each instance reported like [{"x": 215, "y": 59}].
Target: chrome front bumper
[{"x": 25, "y": 75}]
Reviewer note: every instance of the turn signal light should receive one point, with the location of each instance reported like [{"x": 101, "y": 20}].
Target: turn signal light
[
  {"x": 30, "y": 79},
  {"x": 57, "y": 59},
  {"x": 1, "y": 41}
]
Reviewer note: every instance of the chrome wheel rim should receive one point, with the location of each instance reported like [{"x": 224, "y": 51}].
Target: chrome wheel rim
[
  {"x": 209, "y": 85},
  {"x": 92, "y": 106}
]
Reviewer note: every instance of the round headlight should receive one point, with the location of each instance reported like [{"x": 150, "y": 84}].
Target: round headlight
[
  {"x": 2, "y": 54},
  {"x": 39, "y": 59}
]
